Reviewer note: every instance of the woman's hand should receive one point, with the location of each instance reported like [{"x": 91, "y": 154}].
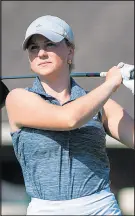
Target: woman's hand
[
  {"x": 129, "y": 84},
  {"x": 125, "y": 70},
  {"x": 115, "y": 77}
]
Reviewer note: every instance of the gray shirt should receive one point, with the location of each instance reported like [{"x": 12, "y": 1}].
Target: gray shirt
[{"x": 63, "y": 165}]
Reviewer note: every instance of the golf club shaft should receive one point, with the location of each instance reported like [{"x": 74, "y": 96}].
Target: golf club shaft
[{"x": 73, "y": 74}]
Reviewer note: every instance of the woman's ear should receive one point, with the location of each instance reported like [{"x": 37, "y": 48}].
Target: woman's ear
[{"x": 71, "y": 53}]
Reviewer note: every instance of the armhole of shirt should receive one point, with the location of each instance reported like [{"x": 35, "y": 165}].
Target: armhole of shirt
[
  {"x": 27, "y": 88},
  {"x": 100, "y": 112}
]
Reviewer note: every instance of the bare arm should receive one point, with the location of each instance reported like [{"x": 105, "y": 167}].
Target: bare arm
[
  {"x": 118, "y": 123},
  {"x": 29, "y": 110}
]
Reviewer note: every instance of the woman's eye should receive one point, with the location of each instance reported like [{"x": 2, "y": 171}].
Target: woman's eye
[
  {"x": 33, "y": 47},
  {"x": 50, "y": 44}
]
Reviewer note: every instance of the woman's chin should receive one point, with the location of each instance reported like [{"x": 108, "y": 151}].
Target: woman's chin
[{"x": 46, "y": 72}]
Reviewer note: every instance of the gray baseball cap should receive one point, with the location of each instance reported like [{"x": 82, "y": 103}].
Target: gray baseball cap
[{"x": 52, "y": 27}]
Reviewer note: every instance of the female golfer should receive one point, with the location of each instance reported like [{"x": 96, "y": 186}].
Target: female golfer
[{"x": 58, "y": 129}]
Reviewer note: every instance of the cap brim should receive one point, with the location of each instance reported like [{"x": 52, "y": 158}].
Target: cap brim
[{"x": 52, "y": 36}]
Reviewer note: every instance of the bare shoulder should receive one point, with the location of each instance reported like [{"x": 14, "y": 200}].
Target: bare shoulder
[
  {"x": 19, "y": 100},
  {"x": 16, "y": 93},
  {"x": 19, "y": 95},
  {"x": 13, "y": 99}
]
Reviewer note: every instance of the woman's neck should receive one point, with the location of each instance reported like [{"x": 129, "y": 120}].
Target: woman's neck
[{"x": 58, "y": 88}]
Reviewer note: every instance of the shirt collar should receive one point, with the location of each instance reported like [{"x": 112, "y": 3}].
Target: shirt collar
[{"x": 76, "y": 90}]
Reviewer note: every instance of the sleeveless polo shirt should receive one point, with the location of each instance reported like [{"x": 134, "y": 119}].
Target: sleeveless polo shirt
[{"x": 63, "y": 165}]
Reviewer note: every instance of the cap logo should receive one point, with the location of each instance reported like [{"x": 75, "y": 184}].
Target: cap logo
[{"x": 39, "y": 25}]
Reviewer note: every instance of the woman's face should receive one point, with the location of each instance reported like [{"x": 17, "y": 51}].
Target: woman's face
[{"x": 46, "y": 57}]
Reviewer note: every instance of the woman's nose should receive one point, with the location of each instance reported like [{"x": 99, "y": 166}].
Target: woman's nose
[{"x": 42, "y": 53}]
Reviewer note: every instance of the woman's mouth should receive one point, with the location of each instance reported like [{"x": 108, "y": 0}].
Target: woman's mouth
[{"x": 44, "y": 63}]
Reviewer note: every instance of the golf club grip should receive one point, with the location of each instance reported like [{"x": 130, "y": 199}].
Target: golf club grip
[{"x": 132, "y": 76}]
